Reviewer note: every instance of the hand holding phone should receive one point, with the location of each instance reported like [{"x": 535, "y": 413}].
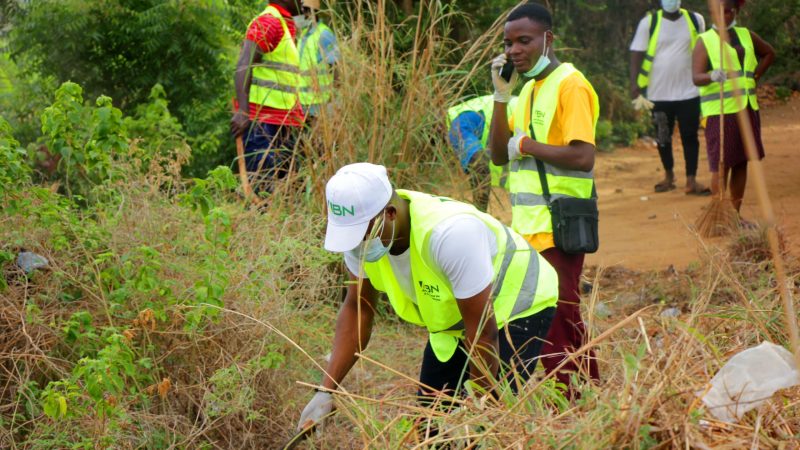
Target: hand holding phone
[{"x": 507, "y": 71}]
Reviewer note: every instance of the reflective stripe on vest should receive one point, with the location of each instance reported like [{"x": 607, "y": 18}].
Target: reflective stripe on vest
[
  {"x": 316, "y": 77},
  {"x": 529, "y": 212},
  {"x": 276, "y": 78},
  {"x": 647, "y": 64},
  {"x": 737, "y": 91},
  {"x": 524, "y": 282},
  {"x": 485, "y": 106}
]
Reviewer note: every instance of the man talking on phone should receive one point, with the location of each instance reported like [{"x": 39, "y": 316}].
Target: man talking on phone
[{"x": 554, "y": 122}]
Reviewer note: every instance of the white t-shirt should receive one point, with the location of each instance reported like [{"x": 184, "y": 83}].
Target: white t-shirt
[
  {"x": 463, "y": 247},
  {"x": 671, "y": 74}
]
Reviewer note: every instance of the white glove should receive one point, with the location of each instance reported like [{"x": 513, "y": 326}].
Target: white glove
[
  {"x": 514, "y": 145},
  {"x": 718, "y": 76},
  {"x": 641, "y": 103},
  {"x": 320, "y": 406},
  {"x": 502, "y": 88}
]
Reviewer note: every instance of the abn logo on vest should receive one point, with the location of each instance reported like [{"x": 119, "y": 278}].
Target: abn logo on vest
[
  {"x": 431, "y": 290},
  {"x": 341, "y": 211}
]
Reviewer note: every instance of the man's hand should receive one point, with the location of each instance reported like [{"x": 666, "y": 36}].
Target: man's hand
[
  {"x": 515, "y": 145},
  {"x": 502, "y": 88},
  {"x": 718, "y": 76},
  {"x": 315, "y": 411},
  {"x": 240, "y": 123},
  {"x": 640, "y": 103}
]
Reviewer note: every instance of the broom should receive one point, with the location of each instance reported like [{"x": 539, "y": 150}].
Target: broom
[{"x": 720, "y": 218}]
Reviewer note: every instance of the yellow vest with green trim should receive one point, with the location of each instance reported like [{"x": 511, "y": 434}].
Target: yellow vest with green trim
[
  {"x": 735, "y": 100},
  {"x": 316, "y": 77},
  {"x": 485, "y": 106},
  {"x": 529, "y": 211},
  {"x": 647, "y": 64},
  {"x": 524, "y": 282},
  {"x": 276, "y": 78}
]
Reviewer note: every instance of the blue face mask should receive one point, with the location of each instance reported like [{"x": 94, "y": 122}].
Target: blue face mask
[
  {"x": 670, "y": 6},
  {"x": 373, "y": 249},
  {"x": 541, "y": 64}
]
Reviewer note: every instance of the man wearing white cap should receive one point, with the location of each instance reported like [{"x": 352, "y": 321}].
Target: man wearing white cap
[{"x": 485, "y": 296}]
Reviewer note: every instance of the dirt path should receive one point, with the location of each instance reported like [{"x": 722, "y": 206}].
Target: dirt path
[{"x": 643, "y": 230}]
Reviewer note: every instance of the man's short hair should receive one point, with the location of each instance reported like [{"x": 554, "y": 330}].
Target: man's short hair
[{"x": 534, "y": 12}]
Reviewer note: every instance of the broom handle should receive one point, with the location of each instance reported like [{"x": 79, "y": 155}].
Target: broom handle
[
  {"x": 242, "y": 167},
  {"x": 723, "y": 177},
  {"x": 746, "y": 130}
]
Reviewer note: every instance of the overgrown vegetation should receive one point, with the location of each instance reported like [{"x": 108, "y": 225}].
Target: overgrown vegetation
[{"x": 174, "y": 315}]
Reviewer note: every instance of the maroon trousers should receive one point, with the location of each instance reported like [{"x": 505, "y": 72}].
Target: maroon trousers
[{"x": 567, "y": 332}]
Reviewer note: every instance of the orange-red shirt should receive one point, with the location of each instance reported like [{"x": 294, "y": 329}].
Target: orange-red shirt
[{"x": 266, "y": 31}]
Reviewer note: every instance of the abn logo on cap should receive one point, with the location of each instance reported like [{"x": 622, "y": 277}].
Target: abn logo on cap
[{"x": 341, "y": 211}]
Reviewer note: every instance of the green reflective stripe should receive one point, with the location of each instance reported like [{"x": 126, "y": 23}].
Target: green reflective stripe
[
  {"x": 649, "y": 57},
  {"x": 511, "y": 247},
  {"x": 644, "y": 72},
  {"x": 726, "y": 94},
  {"x": 750, "y": 74},
  {"x": 530, "y": 164},
  {"x": 527, "y": 293},
  {"x": 278, "y": 66},
  {"x": 274, "y": 86},
  {"x": 531, "y": 199}
]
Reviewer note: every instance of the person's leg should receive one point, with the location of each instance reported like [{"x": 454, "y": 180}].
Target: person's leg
[
  {"x": 738, "y": 180},
  {"x": 446, "y": 377},
  {"x": 664, "y": 122},
  {"x": 521, "y": 344},
  {"x": 567, "y": 332},
  {"x": 688, "y": 115}
]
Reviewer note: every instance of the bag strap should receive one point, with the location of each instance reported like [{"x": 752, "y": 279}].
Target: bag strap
[{"x": 540, "y": 165}]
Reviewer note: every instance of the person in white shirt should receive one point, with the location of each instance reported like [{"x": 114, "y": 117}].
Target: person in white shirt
[
  {"x": 486, "y": 297},
  {"x": 661, "y": 80}
]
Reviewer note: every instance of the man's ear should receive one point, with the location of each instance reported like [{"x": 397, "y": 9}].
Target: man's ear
[
  {"x": 391, "y": 212},
  {"x": 549, "y": 38}
]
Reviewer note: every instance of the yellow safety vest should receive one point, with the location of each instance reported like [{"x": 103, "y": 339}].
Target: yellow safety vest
[
  {"x": 485, "y": 106},
  {"x": 524, "y": 282},
  {"x": 734, "y": 100},
  {"x": 276, "y": 78},
  {"x": 316, "y": 77},
  {"x": 655, "y": 28},
  {"x": 529, "y": 211}
]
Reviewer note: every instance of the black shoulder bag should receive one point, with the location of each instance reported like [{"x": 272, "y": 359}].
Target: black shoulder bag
[{"x": 575, "y": 220}]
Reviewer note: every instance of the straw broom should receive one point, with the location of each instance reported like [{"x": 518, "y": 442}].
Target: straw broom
[
  {"x": 757, "y": 169},
  {"x": 720, "y": 218}
]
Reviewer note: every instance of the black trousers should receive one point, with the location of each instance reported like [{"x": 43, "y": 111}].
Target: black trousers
[
  {"x": 520, "y": 343},
  {"x": 687, "y": 113}
]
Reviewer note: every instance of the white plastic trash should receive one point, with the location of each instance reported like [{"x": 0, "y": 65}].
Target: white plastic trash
[
  {"x": 29, "y": 261},
  {"x": 748, "y": 379}
]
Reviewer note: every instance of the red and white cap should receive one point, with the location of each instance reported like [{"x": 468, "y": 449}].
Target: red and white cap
[{"x": 354, "y": 195}]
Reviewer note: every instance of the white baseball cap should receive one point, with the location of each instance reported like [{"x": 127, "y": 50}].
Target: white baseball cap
[{"x": 354, "y": 195}]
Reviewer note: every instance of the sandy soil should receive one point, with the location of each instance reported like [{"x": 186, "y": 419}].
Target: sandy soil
[{"x": 645, "y": 230}]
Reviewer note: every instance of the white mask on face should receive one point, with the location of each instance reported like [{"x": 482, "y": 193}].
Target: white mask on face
[
  {"x": 670, "y": 6},
  {"x": 373, "y": 249},
  {"x": 301, "y": 21},
  {"x": 541, "y": 63}
]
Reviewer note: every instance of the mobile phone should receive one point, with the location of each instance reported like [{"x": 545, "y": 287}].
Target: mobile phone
[{"x": 507, "y": 70}]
